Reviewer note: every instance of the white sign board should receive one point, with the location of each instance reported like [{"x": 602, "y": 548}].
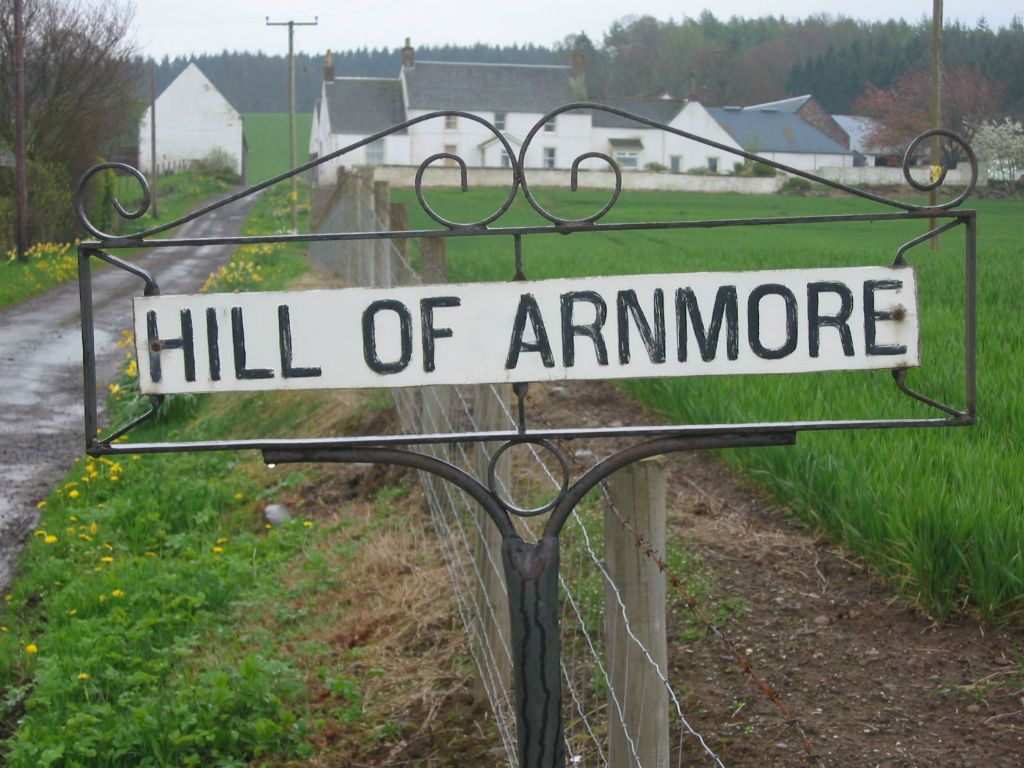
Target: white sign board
[{"x": 637, "y": 326}]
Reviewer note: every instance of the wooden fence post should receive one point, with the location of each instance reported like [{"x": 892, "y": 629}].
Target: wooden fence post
[
  {"x": 639, "y": 736},
  {"x": 435, "y": 401},
  {"x": 382, "y": 216},
  {"x": 495, "y": 637},
  {"x": 399, "y": 216}
]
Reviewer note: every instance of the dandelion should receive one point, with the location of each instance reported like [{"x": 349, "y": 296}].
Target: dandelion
[
  {"x": 307, "y": 523},
  {"x": 218, "y": 550},
  {"x": 31, "y": 648},
  {"x": 3, "y": 628},
  {"x": 74, "y": 494},
  {"x": 117, "y": 593},
  {"x": 40, "y": 532},
  {"x": 51, "y": 539},
  {"x": 239, "y": 496},
  {"x": 150, "y": 553},
  {"x": 83, "y": 676},
  {"x": 41, "y": 505},
  {"x": 103, "y": 598},
  {"x": 73, "y": 612},
  {"x": 221, "y": 540},
  {"x": 72, "y": 519},
  {"x": 106, "y": 559},
  {"x": 93, "y": 529}
]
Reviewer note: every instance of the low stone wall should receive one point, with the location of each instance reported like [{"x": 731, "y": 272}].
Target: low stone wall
[{"x": 441, "y": 176}]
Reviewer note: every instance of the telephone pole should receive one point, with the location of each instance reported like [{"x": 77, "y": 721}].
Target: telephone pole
[
  {"x": 20, "y": 152},
  {"x": 936, "y": 103},
  {"x": 291, "y": 24}
]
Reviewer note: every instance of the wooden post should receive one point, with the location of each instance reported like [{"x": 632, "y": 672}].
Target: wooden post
[
  {"x": 382, "y": 216},
  {"x": 639, "y": 734},
  {"x": 436, "y": 400},
  {"x": 494, "y": 636},
  {"x": 399, "y": 216}
]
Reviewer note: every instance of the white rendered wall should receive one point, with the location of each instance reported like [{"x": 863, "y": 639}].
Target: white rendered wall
[{"x": 192, "y": 119}]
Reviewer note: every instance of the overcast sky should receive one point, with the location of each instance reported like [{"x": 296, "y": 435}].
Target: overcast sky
[{"x": 181, "y": 27}]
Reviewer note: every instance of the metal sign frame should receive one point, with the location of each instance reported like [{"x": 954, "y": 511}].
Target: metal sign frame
[{"x": 531, "y": 569}]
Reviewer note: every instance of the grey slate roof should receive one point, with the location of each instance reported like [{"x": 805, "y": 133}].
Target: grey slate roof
[
  {"x": 858, "y": 128},
  {"x": 363, "y": 105},
  {"x": 488, "y": 87},
  {"x": 660, "y": 110},
  {"x": 760, "y": 130}
]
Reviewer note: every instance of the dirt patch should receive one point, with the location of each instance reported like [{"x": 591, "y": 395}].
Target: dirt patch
[{"x": 872, "y": 681}]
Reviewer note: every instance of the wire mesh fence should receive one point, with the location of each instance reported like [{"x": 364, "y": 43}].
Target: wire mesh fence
[{"x": 620, "y": 706}]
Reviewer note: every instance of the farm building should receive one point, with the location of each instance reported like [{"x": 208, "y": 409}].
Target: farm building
[
  {"x": 194, "y": 122},
  {"x": 515, "y": 97}
]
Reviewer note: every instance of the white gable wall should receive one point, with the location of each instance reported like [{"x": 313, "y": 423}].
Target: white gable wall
[{"x": 192, "y": 119}]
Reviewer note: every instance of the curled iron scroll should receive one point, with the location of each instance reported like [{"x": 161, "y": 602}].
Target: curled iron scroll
[
  {"x": 517, "y": 165},
  {"x": 937, "y": 182}
]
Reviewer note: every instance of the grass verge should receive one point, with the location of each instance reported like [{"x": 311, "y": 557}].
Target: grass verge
[{"x": 51, "y": 264}]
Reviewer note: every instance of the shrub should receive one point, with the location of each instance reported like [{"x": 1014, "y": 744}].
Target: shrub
[{"x": 219, "y": 164}]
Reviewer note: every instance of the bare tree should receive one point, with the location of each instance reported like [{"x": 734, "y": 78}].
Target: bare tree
[{"x": 80, "y": 78}]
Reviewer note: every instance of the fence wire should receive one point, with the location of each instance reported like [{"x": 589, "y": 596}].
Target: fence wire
[{"x": 469, "y": 542}]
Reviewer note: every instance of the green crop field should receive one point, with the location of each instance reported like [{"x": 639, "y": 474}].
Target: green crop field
[
  {"x": 938, "y": 511},
  {"x": 267, "y": 136}
]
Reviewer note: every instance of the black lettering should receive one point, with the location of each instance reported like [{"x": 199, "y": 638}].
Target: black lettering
[
  {"x": 429, "y": 332},
  {"x": 528, "y": 309},
  {"x": 284, "y": 338},
  {"x": 726, "y": 308},
  {"x": 654, "y": 340},
  {"x": 185, "y": 343},
  {"x": 213, "y": 342},
  {"x": 754, "y": 321},
  {"x": 591, "y": 330},
  {"x": 840, "y": 321},
  {"x": 238, "y": 341},
  {"x": 872, "y": 316},
  {"x": 370, "y": 336}
]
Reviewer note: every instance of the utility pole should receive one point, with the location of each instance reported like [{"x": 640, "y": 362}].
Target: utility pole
[
  {"x": 20, "y": 152},
  {"x": 936, "y": 106},
  {"x": 291, "y": 103},
  {"x": 152, "y": 137}
]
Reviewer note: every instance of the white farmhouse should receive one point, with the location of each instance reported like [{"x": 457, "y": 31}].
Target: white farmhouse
[
  {"x": 514, "y": 98},
  {"x": 193, "y": 120}
]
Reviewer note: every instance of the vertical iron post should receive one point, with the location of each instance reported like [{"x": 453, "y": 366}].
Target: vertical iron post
[{"x": 936, "y": 105}]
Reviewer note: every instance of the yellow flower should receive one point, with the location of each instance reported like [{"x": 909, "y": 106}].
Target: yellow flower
[
  {"x": 31, "y": 648},
  {"x": 51, "y": 539},
  {"x": 114, "y": 388},
  {"x": 117, "y": 593},
  {"x": 103, "y": 598},
  {"x": 93, "y": 529},
  {"x": 239, "y": 496},
  {"x": 41, "y": 505},
  {"x": 221, "y": 540},
  {"x": 150, "y": 553},
  {"x": 40, "y": 532},
  {"x": 85, "y": 537},
  {"x": 73, "y": 612},
  {"x": 74, "y": 494},
  {"x": 107, "y": 559},
  {"x": 83, "y": 676},
  {"x": 3, "y": 628},
  {"x": 307, "y": 523},
  {"x": 218, "y": 550},
  {"x": 72, "y": 519}
]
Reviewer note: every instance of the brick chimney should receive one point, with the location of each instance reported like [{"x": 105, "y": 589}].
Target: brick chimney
[
  {"x": 329, "y": 66},
  {"x": 408, "y": 55}
]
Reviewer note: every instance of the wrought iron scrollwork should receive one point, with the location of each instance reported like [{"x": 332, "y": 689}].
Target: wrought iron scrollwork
[{"x": 519, "y": 171}]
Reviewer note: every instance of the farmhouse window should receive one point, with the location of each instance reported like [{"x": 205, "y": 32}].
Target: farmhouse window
[
  {"x": 549, "y": 126},
  {"x": 451, "y": 122},
  {"x": 375, "y": 152},
  {"x": 676, "y": 163},
  {"x": 713, "y": 164},
  {"x": 627, "y": 159},
  {"x": 549, "y": 157},
  {"x": 450, "y": 149},
  {"x": 499, "y": 120}
]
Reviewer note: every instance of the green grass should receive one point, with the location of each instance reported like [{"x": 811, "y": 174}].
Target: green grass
[
  {"x": 267, "y": 136},
  {"x": 51, "y": 264},
  {"x": 119, "y": 645},
  {"x": 936, "y": 511}
]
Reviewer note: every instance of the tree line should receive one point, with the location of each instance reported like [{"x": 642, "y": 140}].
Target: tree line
[{"x": 733, "y": 62}]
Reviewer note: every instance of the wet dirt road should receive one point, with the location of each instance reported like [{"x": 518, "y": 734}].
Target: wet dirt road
[{"x": 41, "y": 412}]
